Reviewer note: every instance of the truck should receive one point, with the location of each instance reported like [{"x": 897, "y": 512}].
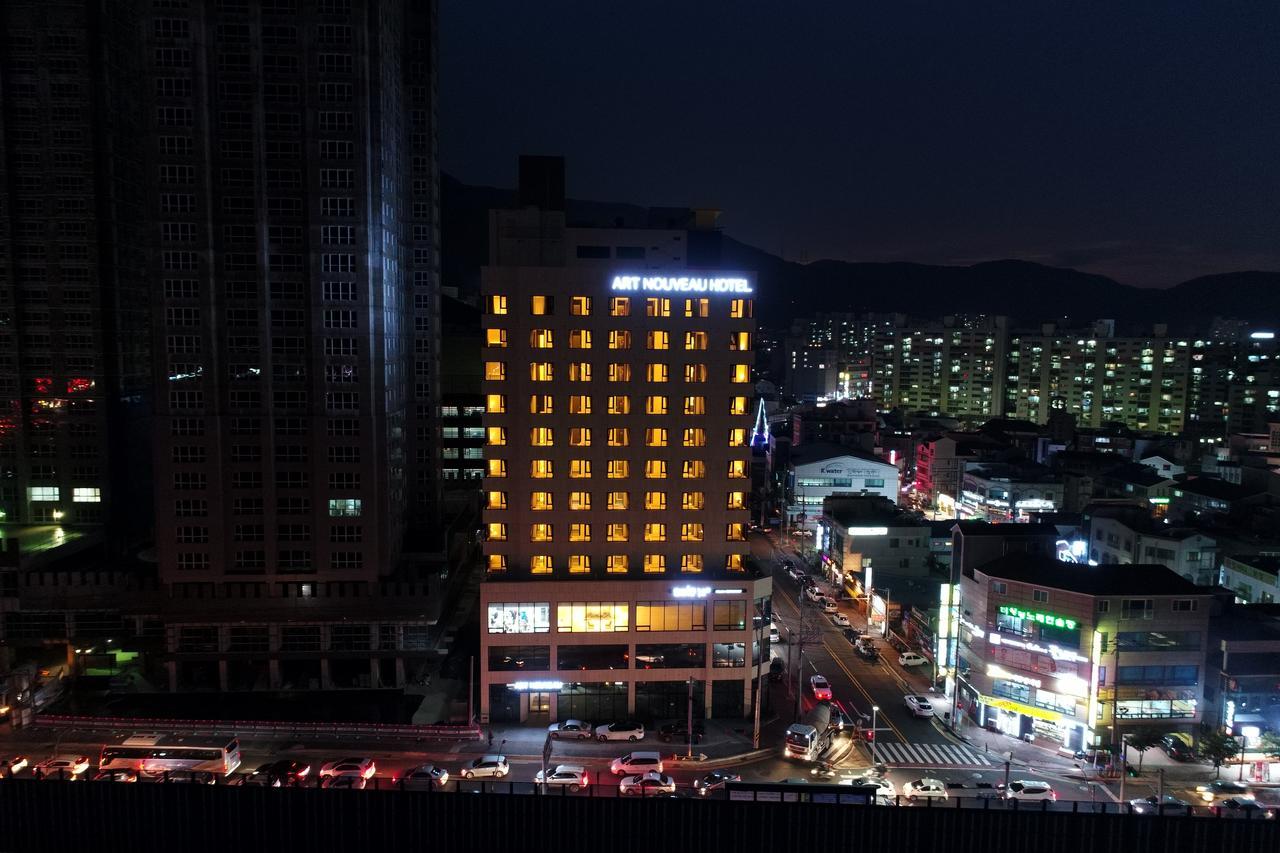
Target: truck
[{"x": 808, "y": 739}]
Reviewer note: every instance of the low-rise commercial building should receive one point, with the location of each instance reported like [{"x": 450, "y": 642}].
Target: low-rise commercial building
[
  {"x": 818, "y": 471},
  {"x": 1130, "y": 535},
  {"x": 859, "y": 534},
  {"x": 1243, "y": 696},
  {"x": 1254, "y": 578},
  {"x": 1008, "y": 492}
]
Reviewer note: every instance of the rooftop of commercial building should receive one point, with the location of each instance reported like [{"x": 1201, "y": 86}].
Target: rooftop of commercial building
[
  {"x": 851, "y": 510},
  {"x": 1137, "y": 474},
  {"x": 985, "y": 528},
  {"x": 1112, "y": 579},
  {"x": 805, "y": 454},
  {"x": 1219, "y": 489},
  {"x": 1014, "y": 472}
]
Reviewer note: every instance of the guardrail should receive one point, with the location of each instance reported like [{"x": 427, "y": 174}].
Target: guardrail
[{"x": 263, "y": 728}]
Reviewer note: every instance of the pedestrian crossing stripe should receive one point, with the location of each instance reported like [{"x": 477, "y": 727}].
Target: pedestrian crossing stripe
[{"x": 929, "y": 754}]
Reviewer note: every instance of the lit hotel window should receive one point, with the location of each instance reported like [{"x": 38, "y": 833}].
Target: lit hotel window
[
  {"x": 655, "y": 500},
  {"x": 540, "y": 305},
  {"x": 740, "y": 341},
  {"x": 655, "y": 469},
  {"x": 735, "y": 562},
  {"x": 695, "y": 340},
  {"x": 580, "y": 437},
  {"x": 735, "y": 532},
  {"x": 695, "y": 373},
  {"x": 540, "y": 339},
  {"x": 691, "y": 563},
  {"x": 697, "y": 307},
  {"x": 693, "y": 500},
  {"x": 620, "y": 405},
  {"x": 655, "y": 531},
  {"x": 694, "y": 469},
  {"x": 737, "y": 469},
  {"x": 580, "y": 371},
  {"x": 737, "y": 405},
  {"x": 540, "y": 404},
  {"x": 580, "y": 339},
  {"x": 579, "y": 469},
  {"x": 618, "y": 500},
  {"x": 655, "y": 437},
  {"x": 619, "y": 437},
  {"x": 579, "y": 501},
  {"x": 736, "y": 500},
  {"x": 496, "y": 436},
  {"x": 740, "y": 309},
  {"x": 620, "y": 306},
  {"x": 691, "y": 531},
  {"x": 540, "y": 564},
  {"x": 579, "y": 564},
  {"x": 540, "y": 371},
  {"x": 495, "y": 404},
  {"x": 695, "y": 405},
  {"x": 497, "y": 531},
  {"x": 616, "y": 564},
  {"x": 737, "y": 437},
  {"x": 658, "y": 339},
  {"x": 616, "y": 533},
  {"x": 540, "y": 532},
  {"x": 579, "y": 404},
  {"x": 655, "y": 405},
  {"x": 497, "y": 563},
  {"x": 497, "y": 500},
  {"x": 619, "y": 372},
  {"x": 540, "y": 501},
  {"x": 497, "y": 467},
  {"x": 540, "y": 469},
  {"x": 655, "y": 563},
  {"x": 739, "y": 373},
  {"x": 619, "y": 469},
  {"x": 657, "y": 373},
  {"x": 495, "y": 337},
  {"x": 579, "y": 532},
  {"x": 495, "y": 370},
  {"x": 695, "y": 437},
  {"x": 580, "y": 306},
  {"x": 496, "y": 304},
  {"x": 619, "y": 339},
  {"x": 656, "y": 306}
]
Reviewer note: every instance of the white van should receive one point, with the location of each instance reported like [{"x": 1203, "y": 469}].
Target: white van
[{"x": 636, "y": 763}]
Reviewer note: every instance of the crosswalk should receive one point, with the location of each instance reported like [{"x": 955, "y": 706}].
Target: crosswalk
[{"x": 930, "y": 755}]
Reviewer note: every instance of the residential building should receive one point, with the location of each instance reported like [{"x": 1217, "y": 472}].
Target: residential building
[
  {"x": 1243, "y": 692},
  {"x": 941, "y": 462},
  {"x": 462, "y": 433},
  {"x": 1127, "y": 535},
  {"x": 1002, "y": 491},
  {"x": 1204, "y": 497},
  {"x": 852, "y": 423},
  {"x": 1254, "y": 578},
  {"x": 817, "y": 471}
]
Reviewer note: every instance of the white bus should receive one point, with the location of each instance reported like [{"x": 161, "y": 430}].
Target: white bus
[{"x": 157, "y": 753}]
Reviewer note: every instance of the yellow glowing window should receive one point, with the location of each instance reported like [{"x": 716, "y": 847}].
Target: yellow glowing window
[
  {"x": 495, "y": 370},
  {"x": 541, "y": 339},
  {"x": 695, "y": 373},
  {"x": 691, "y": 531},
  {"x": 495, "y": 337},
  {"x": 592, "y": 617},
  {"x": 740, "y": 341},
  {"x": 735, "y": 562},
  {"x": 619, "y": 437},
  {"x": 737, "y": 469},
  {"x": 655, "y": 405},
  {"x": 655, "y": 469},
  {"x": 655, "y": 500},
  {"x": 541, "y": 437},
  {"x": 497, "y": 531},
  {"x": 580, "y": 437},
  {"x": 540, "y": 532},
  {"x": 737, "y": 437},
  {"x": 695, "y": 340},
  {"x": 579, "y": 404},
  {"x": 691, "y": 563},
  {"x": 580, "y": 339},
  {"x": 580, "y": 306},
  {"x": 496, "y": 304},
  {"x": 495, "y": 404},
  {"x": 736, "y": 500},
  {"x": 740, "y": 309},
  {"x": 618, "y": 500},
  {"x": 697, "y": 307},
  {"x": 579, "y": 532},
  {"x": 619, "y": 372},
  {"x": 541, "y": 371},
  {"x": 694, "y": 469},
  {"x": 497, "y": 563},
  {"x": 655, "y": 563},
  {"x": 619, "y": 469},
  {"x": 693, "y": 500},
  {"x": 695, "y": 405},
  {"x": 620, "y": 405},
  {"x": 540, "y": 564},
  {"x": 540, "y": 469},
  {"x": 541, "y": 404},
  {"x": 579, "y": 469},
  {"x": 655, "y": 437},
  {"x": 579, "y": 501},
  {"x": 540, "y": 501},
  {"x": 656, "y": 306},
  {"x": 616, "y": 533},
  {"x": 540, "y": 305},
  {"x": 579, "y": 564},
  {"x": 657, "y": 373},
  {"x": 735, "y": 532},
  {"x": 620, "y": 306},
  {"x": 658, "y": 339},
  {"x": 655, "y": 531},
  {"x": 495, "y": 436},
  {"x": 695, "y": 437},
  {"x": 497, "y": 467},
  {"x": 497, "y": 500},
  {"x": 739, "y": 373},
  {"x": 619, "y": 339},
  {"x": 580, "y": 371},
  {"x": 737, "y": 405},
  {"x": 616, "y": 564}
]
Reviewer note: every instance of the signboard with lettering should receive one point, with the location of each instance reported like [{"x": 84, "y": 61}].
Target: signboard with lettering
[
  {"x": 682, "y": 284},
  {"x": 1047, "y": 619}
]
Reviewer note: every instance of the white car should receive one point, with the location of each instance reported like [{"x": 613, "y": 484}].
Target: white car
[
  {"x": 911, "y": 659},
  {"x": 925, "y": 789},
  {"x": 631, "y": 731},
  {"x": 647, "y": 783},
  {"x": 425, "y": 777},
  {"x": 775, "y": 636},
  {"x": 884, "y": 787},
  {"x": 814, "y": 594},
  {"x": 840, "y": 620},
  {"x": 919, "y": 705},
  {"x": 486, "y": 766},
  {"x": 570, "y": 729},
  {"x": 362, "y": 767},
  {"x": 571, "y": 776},
  {"x": 62, "y": 766},
  {"x": 1030, "y": 790},
  {"x": 829, "y": 606},
  {"x": 821, "y": 688}
]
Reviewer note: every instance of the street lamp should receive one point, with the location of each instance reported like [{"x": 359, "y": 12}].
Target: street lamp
[{"x": 875, "y": 709}]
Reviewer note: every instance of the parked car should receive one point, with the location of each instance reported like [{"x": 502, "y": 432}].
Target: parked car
[
  {"x": 348, "y": 781},
  {"x": 919, "y": 705},
  {"x": 1156, "y": 805},
  {"x": 424, "y": 777},
  {"x": 635, "y": 763},
  {"x": 278, "y": 773},
  {"x": 925, "y": 789},
  {"x": 1177, "y": 748},
  {"x": 62, "y": 766},
  {"x": 189, "y": 777},
  {"x": 571, "y": 776},
  {"x": 1221, "y": 789},
  {"x": 364, "y": 767},
  {"x": 13, "y": 764},
  {"x": 911, "y": 659},
  {"x": 1030, "y": 790},
  {"x": 120, "y": 775},
  {"x": 884, "y": 787},
  {"x": 486, "y": 766},
  {"x": 829, "y": 606},
  {"x": 821, "y": 687},
  {"x": 679, "y": 731},
  {"x": 575, "y": 729},
  {"x": 867, "y": 650},
  {"x": 852, "y": 634},
  {"x": 840, "y": 620},
  {"x": 1246, "y": 807},
  {"x": 714, "y": 781},
  {"x": 629, "y": 730},
  {"x": 775, "y": 636},
  {"x": 814, "y": 594},
  {"x": 647, "y": 784}
]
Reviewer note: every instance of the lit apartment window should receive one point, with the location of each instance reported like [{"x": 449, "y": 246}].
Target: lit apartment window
[
  {"x": 497, "y": 563},
  {"x": 697, "y": 307},
  {"x": 495, "y": 370},
  {"x": 694, "y": 469},
  {"x": 655, "y": 531},
  {"x": 540, "y": 532},
  {"x": 497, "y": 467},
  {"x": 579, "y": 469},
  {"x": 579, "y": 501},
  {"x": 735, "y": 532},
  {"x": 579, "y": 564},
  {"x": 695, "y": 405},
  {"x": 579, "y": 532},
  {"x": 616, "y": 533},
  {"x": 619, "y": 339},
  {"x": 737, "y": 469},
  {"x": 655, "y": 405},
  {"x": 655, "y": 469},
  {"x": 618, "y": 500},
  {"x": 495, "y": 404},
  {"x": 735, "y": 562},
  {"x": 655, "y": 437},
  {"x": 540, "y": 437},
  {"x": 695, "y": 437},
  {"x": 619, "y": 372},
  {"x": 691, "y": 563},
  {"x": 580, "y": 371},
  {"x": 691, "y": 531},
  {"x": 580, "y": 339},
  {"x": 657, "y": 373},
  {"x": 737, "y": 405},
  {"x": 540, "y": 564},
  {"x": 620, "y": 405},
  {"x": 580, "y": 306},
  {"x": 655, "y": 500},
  {"x": 496, "y": 436},
  {"x": 737, "y": 437},
  {"x": 740, "y": 309},
  {"x": 540, "y": 469},
  {"x": 736, "y": 500},
  {"x": 620, "y": 306},
  {"x": 497, "y": 500},
  {"x": 655, "y": 563},
  {"x": 579, "y": 404},
  {"x": 495, "y": 337},
  {"x": 580, "y": 437},
  {"x": 619, "y": 437},
  {"x": 740, "y": 341},
  {"x": 658, "y": 339},
  {"x": 739, "y": 373},
  {"x": 540, "y": 501},
  {"x": 695, "y": 373},
  {"x": 497, "y": 531},
  {"x": 695, "y": 501},
  {"x": 695, "y": 340},
  {"x": 540, "y": 305},
  {"x": 540, "y": 404},
  {"x": 541, "y": 339},
  {"x": 616, "y": 564},
  {"x": 656, "y": 306},
  {"x": 619, "y": 469},
  {"x": 496, "y": 304},
  {"x": 541, "y": 371}
]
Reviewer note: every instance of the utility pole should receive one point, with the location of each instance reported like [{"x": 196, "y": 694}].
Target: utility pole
[
  {"x": 760, "y": 667},
  {"x": 471, "y": 691},
  {"x": 1124, "y": 765},
  {"x": 1160, "y": 789},
  {"x": 806, "y": 633},
  {"x": 689, "y": 752}
]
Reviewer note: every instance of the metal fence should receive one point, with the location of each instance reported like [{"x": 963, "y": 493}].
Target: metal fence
[{"x": 262, "y": 728}]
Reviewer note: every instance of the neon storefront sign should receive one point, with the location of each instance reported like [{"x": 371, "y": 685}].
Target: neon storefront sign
[{"x": 1036, "y": 616}]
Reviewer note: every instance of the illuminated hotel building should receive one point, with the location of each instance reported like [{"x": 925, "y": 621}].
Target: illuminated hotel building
[{"x": 619, "y": 411}]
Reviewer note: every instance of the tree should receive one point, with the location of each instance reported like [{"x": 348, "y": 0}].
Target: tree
[
  {"x": 1142, "y": 739},
  {"x": 1271, "y": 745},
  {"x": 1217, "y": 746}
]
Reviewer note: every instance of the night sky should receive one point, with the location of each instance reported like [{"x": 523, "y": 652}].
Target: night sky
[{"x": 1137, "y": 140}]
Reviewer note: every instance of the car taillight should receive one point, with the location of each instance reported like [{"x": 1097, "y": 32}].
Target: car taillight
[
  {"x": 373, "y": 768},
  {"x": 586, "y": 778},
  {"x": 304, "y": 771}
]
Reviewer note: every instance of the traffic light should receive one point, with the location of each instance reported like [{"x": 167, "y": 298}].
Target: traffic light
[{"x": 871, "y": 735}]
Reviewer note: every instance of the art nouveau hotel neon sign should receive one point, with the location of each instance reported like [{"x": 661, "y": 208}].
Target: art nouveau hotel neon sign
[{"x": 681, "y": 284}]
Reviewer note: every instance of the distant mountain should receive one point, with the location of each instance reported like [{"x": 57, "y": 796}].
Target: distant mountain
[{"x": 1028, "y": 291}]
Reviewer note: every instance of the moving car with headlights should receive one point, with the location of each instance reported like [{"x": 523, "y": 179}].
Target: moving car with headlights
[
  {"x": 424, "y": 777},
  {"x": 714, "y": 781},
  {"x": 884, "y": 787},
  {"x": 911, "y": 659},
  {"x": 775, "y": 636},
  {"x": 1030, "y": 790},
  {"x": 571, "y": 776},
  {"x": 486, "y": 767},
  {"x": 635, "y": 763},
  {"x": 919, "y": 705},
  {"x": 13, "y": 764},
  {"x": 1246, "y": 807},
  {"x": 629, "y": 730},
  {"x": 647, "y": 784},
  {"x": 1221, "y": 789},
  {"x": 925, "y": 789},
  {"x": 62, "y": 766},
  {"x": 570, "y": 729},
  {"x": 363, "y": 767},
  {"x": 820, "y": 687},
  {"x": 1169, "y": 804}
]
